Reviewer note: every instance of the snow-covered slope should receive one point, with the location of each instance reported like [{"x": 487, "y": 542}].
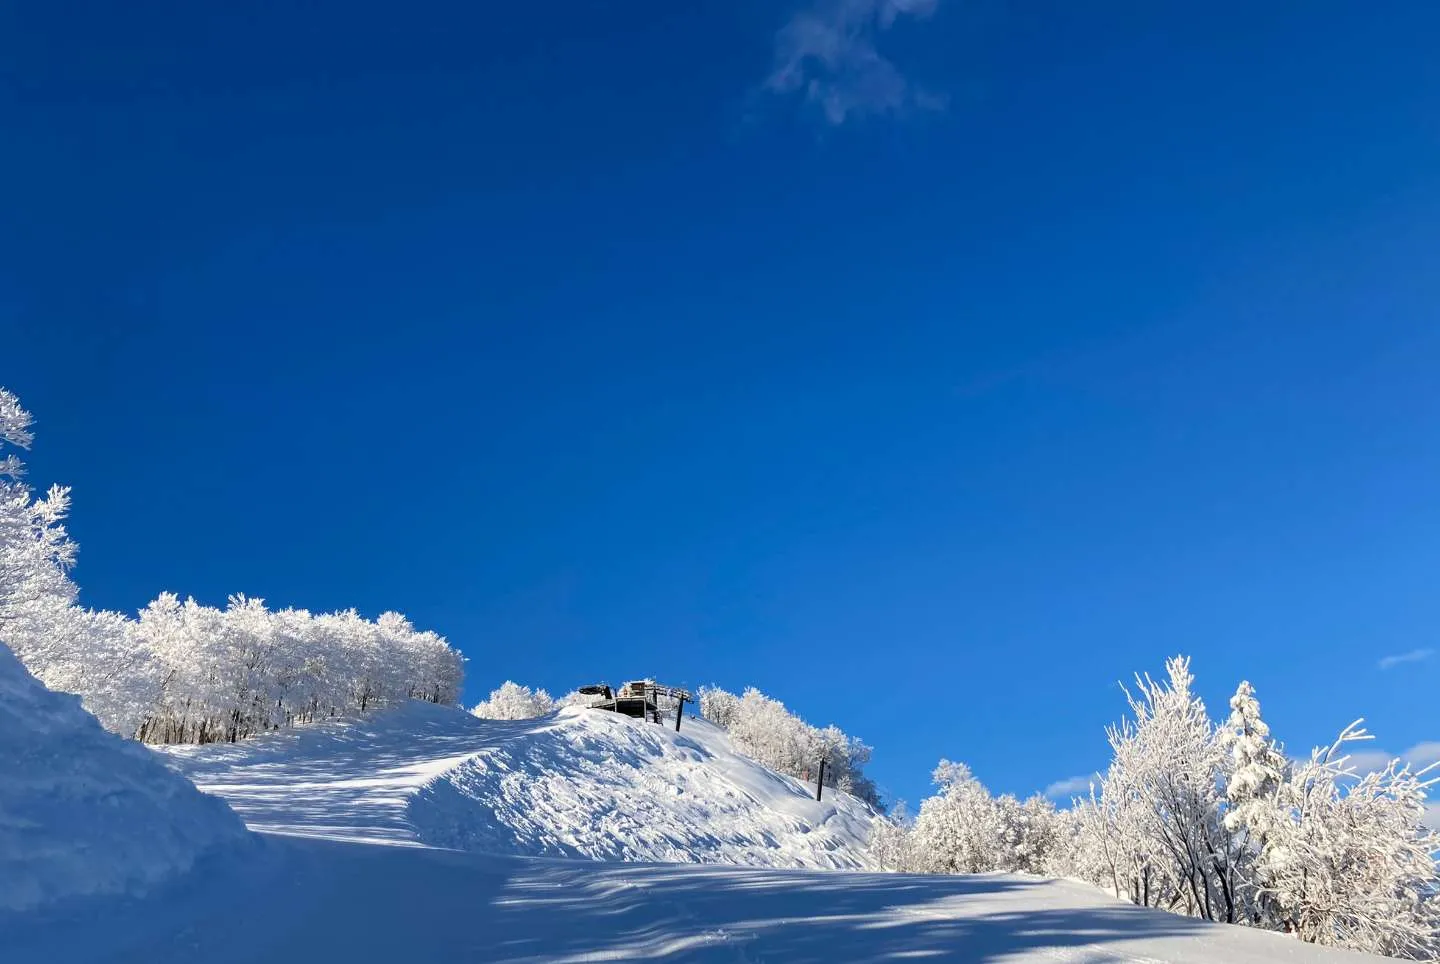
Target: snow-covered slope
[
  {"x": 580, "y": 783},
  {"x": 323, "y": 901},
  {"x": 346, "y": 875},
  {"x": 84, "y": 812}
]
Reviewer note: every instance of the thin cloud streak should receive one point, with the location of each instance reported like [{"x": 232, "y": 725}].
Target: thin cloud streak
[
  {"x": 827, "y": 53},
  {"x": 1414, "y": 656},
  {"x": 1071, "y": 786}
]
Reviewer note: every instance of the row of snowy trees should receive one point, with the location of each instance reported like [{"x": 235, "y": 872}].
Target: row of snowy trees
[
  {"x": 185, "y": 672},
  {"x": 225, "y": 674},
  {"x": 764, "y": 730},
  {"x": 1210, "y": 820}
]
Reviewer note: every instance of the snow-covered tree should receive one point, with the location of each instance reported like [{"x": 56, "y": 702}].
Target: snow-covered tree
[
  {"x": 1217, "y": 822},
  {"x": 186, "y": 672},
  {"x": 70, "y": 649},
  {"x": 228, "y": 674},
  {"x": 36, "y": 553},
  {"x": 1256, "y": 770},
  {"x": 1163, "y": 792},
  {"x": 720, "y": 707},
  {"x": 763, "y": 729},
  {"x": 890, "y": 844},
  {"x": 1257, "y": 767},
  {"x": 958, "y": 830},
  {"x": 511, "y": 701},
  {"x": 1349, "y": 862},
  {"x": 1028, "y": 834}
]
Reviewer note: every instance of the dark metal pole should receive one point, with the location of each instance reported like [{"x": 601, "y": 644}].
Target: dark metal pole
[
  {"x": 679, "y": 712},
  {"x": 820, "y": 781}
]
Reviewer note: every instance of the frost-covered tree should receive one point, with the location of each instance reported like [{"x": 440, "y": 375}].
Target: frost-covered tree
[
  {"x": 1029, "y": 834},
  {"x": 1162, "y": 792},
  {"x": 958, "y": 830},
  {"x": 720, "y": 707},
  {"x": 762, "y": 728},
  {"x": 36, "y": 552},
  {"x": 96, "y": 655},
  {"x": 1349, "y": 862},
  {"x": 1217, "y": 822},
  {"x": 962, "y": 829},
  {"x": 511, "y": 701},
  {"x": 93, "y": 654},
  {"x": 890, "y": 844}
]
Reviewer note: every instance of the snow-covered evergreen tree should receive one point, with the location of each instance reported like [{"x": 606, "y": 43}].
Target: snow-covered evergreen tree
[{"x": 1257, "y": 767}]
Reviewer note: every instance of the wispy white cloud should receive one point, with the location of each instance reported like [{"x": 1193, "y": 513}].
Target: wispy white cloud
[
  {"x": 1417, "y": 757},
  {"x": 1365, "y": 761},
  {"x": 1422, "y": 754},
  {"x": 828, "y": 54},
  {"x": 1432, "y": 816},
  {"x": 1399, "y": 659},
  {"x": 1071, "y": 786}
]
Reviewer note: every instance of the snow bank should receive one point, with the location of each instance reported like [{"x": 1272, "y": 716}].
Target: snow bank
[
  {"x": 83, "y": 811},
  {"x": 586, "y": 783}
]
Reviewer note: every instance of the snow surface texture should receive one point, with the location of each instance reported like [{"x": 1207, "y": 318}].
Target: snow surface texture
[
  {"x": 580, "y": 783},
  {"x": 85, "y": 812}
]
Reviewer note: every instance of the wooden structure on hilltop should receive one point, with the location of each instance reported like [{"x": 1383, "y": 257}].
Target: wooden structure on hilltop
[{"x": 642, "y": 699}]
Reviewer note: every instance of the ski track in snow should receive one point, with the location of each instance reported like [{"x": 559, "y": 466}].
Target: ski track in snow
[{"x": 351, "y": 868}]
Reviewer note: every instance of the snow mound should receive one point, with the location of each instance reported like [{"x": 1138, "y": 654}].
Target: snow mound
[
  {"x": 83, "y": 811},
  {"x": 590, "y": 784},
  {"x": 578, "y": 783}
]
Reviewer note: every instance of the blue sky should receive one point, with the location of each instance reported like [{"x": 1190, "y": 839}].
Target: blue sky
[{"x": 931, "y": 366}]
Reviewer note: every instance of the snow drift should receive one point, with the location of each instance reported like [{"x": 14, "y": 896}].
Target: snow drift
[{"x": 83, "y": 811}]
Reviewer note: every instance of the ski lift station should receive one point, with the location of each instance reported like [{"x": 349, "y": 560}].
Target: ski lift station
[{"x": 641, "y": 699}]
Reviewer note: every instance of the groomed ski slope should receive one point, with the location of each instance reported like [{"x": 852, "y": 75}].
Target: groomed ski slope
[{"x": 346, "y": 869}]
